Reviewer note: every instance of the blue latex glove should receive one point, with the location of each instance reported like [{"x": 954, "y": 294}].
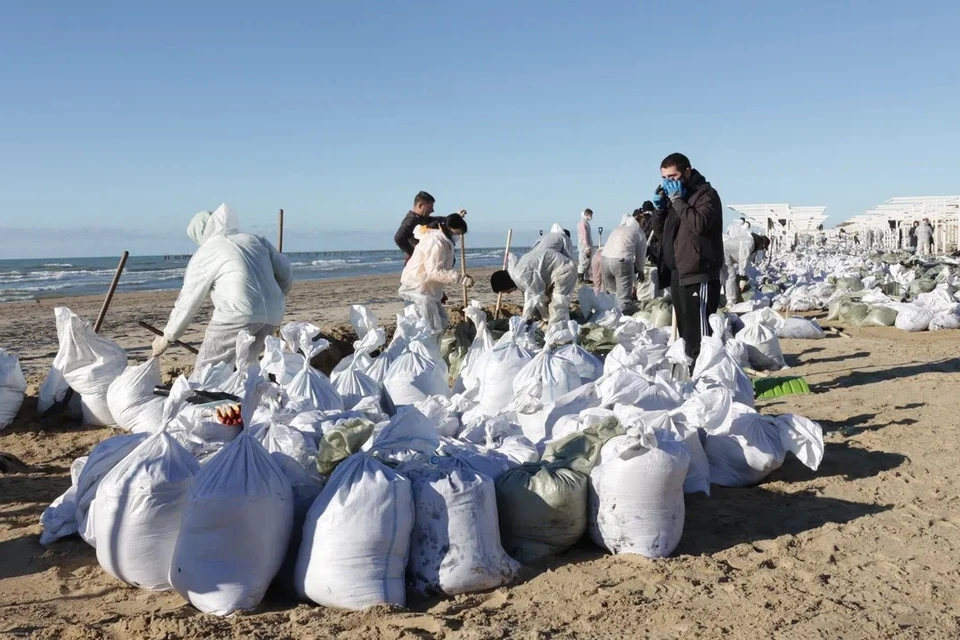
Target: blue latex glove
[
  {"x": 674, "y": 189},
  {"x": 659, "y": 201}
]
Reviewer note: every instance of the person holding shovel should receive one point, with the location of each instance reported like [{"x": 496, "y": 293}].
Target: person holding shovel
[
  {"x": 431, "y": 267},
  {"x": 247, "y": 279}
]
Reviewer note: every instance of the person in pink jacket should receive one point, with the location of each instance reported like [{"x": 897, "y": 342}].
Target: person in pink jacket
[
  {"x": 584, "y": 245},
  {"x": 430, "y": 268}
]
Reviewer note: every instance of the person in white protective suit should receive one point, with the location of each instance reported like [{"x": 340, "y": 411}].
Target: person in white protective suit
[
  {"x": 623, "y": 258},
  {"x": 547, "y": 275},
  {"x": 740, "y": 247},
  {"x": 247, "y": 279},
  {"x": 430, "y": 268},
  {"x": 924, "y": 235},
  {"x": 585, "y": 246}
]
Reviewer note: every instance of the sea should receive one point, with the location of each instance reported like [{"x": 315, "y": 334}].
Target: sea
[{"x": 31, "y": 279}]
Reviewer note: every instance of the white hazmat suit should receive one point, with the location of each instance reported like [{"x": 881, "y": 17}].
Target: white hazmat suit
[
  {"x": 623, "y": 256},
  {"x": 738, "y": 250},
  {"x": 547, "y": 275},
  {"x": 425, "y": 274},
  {"x": 247, "y": 279},
  {"x": 924, "y": 239}
]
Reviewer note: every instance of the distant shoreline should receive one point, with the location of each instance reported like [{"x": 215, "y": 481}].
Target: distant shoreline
[{"x": 24, "y": 280}]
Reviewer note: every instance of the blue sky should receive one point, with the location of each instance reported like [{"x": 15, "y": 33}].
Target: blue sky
[{"x": 120, "y": 120}]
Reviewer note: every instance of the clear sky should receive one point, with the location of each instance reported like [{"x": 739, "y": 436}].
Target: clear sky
[{"x": 119, "y": 120}]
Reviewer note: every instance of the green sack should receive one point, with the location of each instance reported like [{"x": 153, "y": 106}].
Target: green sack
[
  {"x": 766, "y": 388},
  {"x": 543, "y": 509},
  {"x": 582, "y": 449},
  {"x": 880, "y": 316},
  {"x": 853, "y": 312},
  {"x": 340, "y": 443},
  {"x": 922, "y": 285},
  {"x": 659, "y": 311},
  {"x": 849, "y": 284},
  {"x": 597, "y": 340},
  {"x": 502, "y": 325},
  {"x": 770, "y": 288},
  {"x": 891, "y": 289},
  {"x": 454, "y": 346}
]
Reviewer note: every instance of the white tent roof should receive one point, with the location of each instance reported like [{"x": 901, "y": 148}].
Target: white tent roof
[
  {"x": 908, "y": 209},
  {"x": 799, "y": 219}
]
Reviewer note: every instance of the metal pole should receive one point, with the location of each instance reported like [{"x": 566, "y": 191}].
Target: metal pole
[
  {"x": 506, "y": 255},
  {"x": 156, "y": 331},
  {"x": 280, "y": 236},
  {"x": 110, "y": 292},
  {"x": 463, "y": 266}
]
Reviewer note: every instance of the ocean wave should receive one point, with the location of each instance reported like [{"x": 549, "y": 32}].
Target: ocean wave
[
  {"x": 56, "y": 264},
  {"x": 15, "y": 298},
  {"x": 36, "y": 289},
  {"x": 329, "y": 264},
  {"x": 40, "y": 276}
]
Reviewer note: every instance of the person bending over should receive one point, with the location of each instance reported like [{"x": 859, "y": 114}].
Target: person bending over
[{"x": 247, "y": 279}]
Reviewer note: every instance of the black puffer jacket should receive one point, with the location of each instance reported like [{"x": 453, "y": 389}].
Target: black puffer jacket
[{"x": 691, "y": 235}]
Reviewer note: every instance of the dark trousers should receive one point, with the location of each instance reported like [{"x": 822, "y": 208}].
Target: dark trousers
[{"x": 694, "y": 304}]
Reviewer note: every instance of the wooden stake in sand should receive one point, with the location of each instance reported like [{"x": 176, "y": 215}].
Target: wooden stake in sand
[
  {"x": 463, "y": 266},
  {"x": 156, "y": 331},
  {"x": 280, "y": 233},
  {"x": 110, "y": 292},
  {"x": 506, "y": 258}
]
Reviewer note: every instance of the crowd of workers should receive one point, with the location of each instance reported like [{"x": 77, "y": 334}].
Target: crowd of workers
[{"x": 679, "y": 232}]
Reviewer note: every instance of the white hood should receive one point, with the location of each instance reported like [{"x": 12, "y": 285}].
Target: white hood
[{"x": 206, "y": 225}]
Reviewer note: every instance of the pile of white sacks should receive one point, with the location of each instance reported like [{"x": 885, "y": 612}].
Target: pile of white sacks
[
  {"x": 863, "y": 289},
  {"x": 358, "y": 489}
]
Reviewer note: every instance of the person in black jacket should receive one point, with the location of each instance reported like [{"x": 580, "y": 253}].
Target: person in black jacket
[
  {"x": 689, "y": 223},
  {"x": 420, "y": 214}
]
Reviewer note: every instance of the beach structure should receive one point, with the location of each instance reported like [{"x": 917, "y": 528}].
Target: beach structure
[
  {"x": 783, "y": 223},
  {"x": 889, "y": 217}
]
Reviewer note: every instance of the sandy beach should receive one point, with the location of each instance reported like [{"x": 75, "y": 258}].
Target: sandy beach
[{"x": 866, "y": 547}]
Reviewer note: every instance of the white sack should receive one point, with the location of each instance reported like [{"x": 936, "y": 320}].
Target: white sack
[
  {"x": 760, "y": 338},
  {"x": 243, "y": 360},
  {"x": 139, "y": 505},
  {"x": 369, "y": 338},
  {"x": 282, "y": 364},
  {"x": 131, "y": 400},
  {"x": 801, "y": 329},
  {"x": 715, "y": 367},
  {"x": 589, "y": 367},
  {"x": 309, "y": 383},
  {"x": 356, "y": 538},
  {"x": 68, "y": 514},
  {"x": 354, "y": 385},
  {"x": 500, "y": 366},
  {"x": 949, "y": 319},
  {"x": 482, "y": 343},
  {"x": 911, "y": 317},
  {"x": 236, "y": 525},
  {"x": 90, "y": 363},
  {"x": 750, "y": 446},
  {"x": 455, "y": 544},
  {"x": 541, "y": 382},
  {"x": 418, "y": 373},
  {"x": 636, "y": 494},
  {"x": 13, "y": 386}
]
